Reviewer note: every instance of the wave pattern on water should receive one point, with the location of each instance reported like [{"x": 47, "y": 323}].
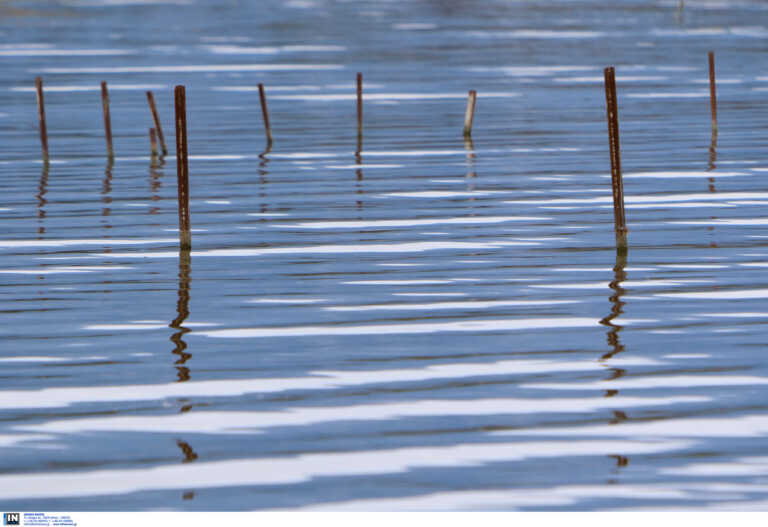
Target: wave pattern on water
[{"x": 400, "y": 319}]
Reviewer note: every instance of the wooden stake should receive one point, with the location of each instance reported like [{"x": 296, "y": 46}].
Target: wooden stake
[
  {"x": 41, "y": 117},
  {"x": 712, "y": 92},
  {"x": 612, "y": 111},
  {"x": 153, "y": 142},
  {"x": 359, "y": 106},
  {"x": 107, "y": 121},
  {"x": 265, "y": 114},
  {"x": 469, "y": 114},
  {"x": 182, "y": 168},
  {"x": 156, "y": 119}
]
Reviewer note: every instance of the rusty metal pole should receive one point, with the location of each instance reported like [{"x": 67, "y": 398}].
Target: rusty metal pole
[
  {"x": 156, "y": 119},
  {"x": 359, "y": 109},
  {"x": 712, "y": 92},
  {"x": 612, "y": 111},
  {"x": 182, "y": 168},
  {"x": 265, "y": 115},
  {"x": 469, "y": 114},
  {"x": 107, "y": 120},
  {"x": 41, "y": 118}
]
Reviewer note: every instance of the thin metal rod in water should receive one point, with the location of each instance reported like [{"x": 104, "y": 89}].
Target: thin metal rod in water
[
  {"x": 612, "y": 111},
  {"x": 265, "y": 114},
  {"x": 712, "y": 92},
  {"x": 107, "y": 120},
  {"x": 469, "y": 115},
  {"x": 359, "y": 106},
  {"x": 41, "y": 117},
  {"x": 156, "y": 119},
  {"x": 153, "y": 142},
  {"x": 182, "y": 167}
]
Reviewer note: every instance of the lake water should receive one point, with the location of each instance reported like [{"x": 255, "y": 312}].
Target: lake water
[{"x": 422, "y": 324}]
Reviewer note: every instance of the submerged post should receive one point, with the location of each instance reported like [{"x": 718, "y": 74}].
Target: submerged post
[
  {"x": 41, "y": 118},
  {"x": 156, "y": 120},
  {"x": 107, "y": 120},
  {"x": 612, "y": 111},
  {"x": 153, "y": 142},
  {"x": 469, "y": 114},
  {"x": 359, "y": 107},
  {"x": 712, "y": 92},
  {"x": 265, "y": 115},
  {"x": 182, "y": 168}
]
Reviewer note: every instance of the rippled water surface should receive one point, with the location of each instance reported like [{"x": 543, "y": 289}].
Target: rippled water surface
[{"x": 417, "y": 322}]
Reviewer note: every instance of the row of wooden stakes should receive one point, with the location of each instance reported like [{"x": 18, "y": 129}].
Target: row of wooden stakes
[{"x": 182, "y": 165}]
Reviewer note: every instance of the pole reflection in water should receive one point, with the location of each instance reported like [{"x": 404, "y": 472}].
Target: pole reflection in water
[
  {"x": 359, "y": 171},
  {"x": 42, "y": 189},
  {"x": 106, "y": 190},
  {"x": 617, "y": 306},
  {"x": 712, "y": 158},
  {"x": 182, "y": 312},
  {"x": 263, "y": 181},
  {"x": 471, "y": 177},
  {"x": 156, "y": 165}
]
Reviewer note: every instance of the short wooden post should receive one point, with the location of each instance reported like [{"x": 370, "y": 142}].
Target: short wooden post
[
  {"x": 107, "y": 120},
  {"x": 265, "y": 115},
  {"x": 156, "y": 120},
  {"x": 469, "y": 114},
  {"x": 41, "y": 118}
]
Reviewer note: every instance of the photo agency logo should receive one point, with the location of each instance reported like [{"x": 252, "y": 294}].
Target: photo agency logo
[{"x": 11, "y": 518}]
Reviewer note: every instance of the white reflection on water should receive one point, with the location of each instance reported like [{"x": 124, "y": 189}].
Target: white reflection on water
[
  {"x": 88, "y": 87},
  {"x": 83, "y": 241},
  {"x": 664, "y": 381},
  {"x": 408, "y": 329},
  {"x": 742, "y": 294},
  {"x": 349, "y": 224},
  {"x": 65, "y": 270},
  {"x": 471, "y": 304},
  {"x": 199, "y": 68},
  {"x": 305, "y": 467},
  {"x": 407, "y": 247},
  {"x": 511, "y": 499},
  {"x": 732, "y": 426},
  {"x": 52, "y": 52},
  {"x": 221, "y": 49},
  {"x": 257, "y": 422},
  {"x": 668, "y": 95},
  {"x": 532, "y": 71},
  {"x": 388, "y": 96},
  {"x": 315, "y": 380},
  {"x": 703, "y": 198}
]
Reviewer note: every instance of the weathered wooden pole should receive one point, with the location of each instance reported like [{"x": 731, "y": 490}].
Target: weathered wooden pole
[
  {"x": 107, "y": 120},
  {"x": 469, "y": 114},
  {"x": 265, "y": 115},
  {"x": 359, "y": 107},
  {"x": 182, "y": 168},
  {"x": 41, "y": 118},
  {"x": 612, "y": 111},
  {"x": 156, "y": 119},
  {"x": 712, "y": 92}
]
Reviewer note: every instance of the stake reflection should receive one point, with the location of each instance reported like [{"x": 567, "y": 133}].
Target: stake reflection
[
  {"x": 617, "y": 306},
  {"x": 182, "y": 312}
]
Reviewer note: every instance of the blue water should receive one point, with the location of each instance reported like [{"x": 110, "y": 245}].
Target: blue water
[{"x": 417, "y": 322}]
